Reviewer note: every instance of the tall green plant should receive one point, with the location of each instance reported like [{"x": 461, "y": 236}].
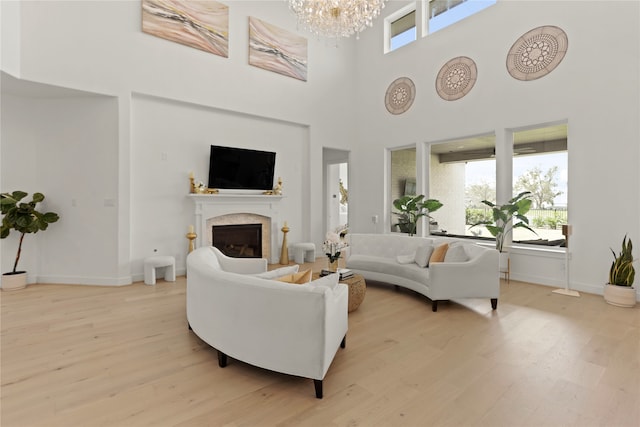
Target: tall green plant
[
  {"x": 507, "y": 217},
  {"x": 411, "y": 209},
  {"x": 622, "y": 272},
  {"x": 23, "y": 217}
]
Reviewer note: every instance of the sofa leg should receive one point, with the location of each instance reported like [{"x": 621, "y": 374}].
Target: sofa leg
[
  {"x": 189, "y": 325},
  {"x": 343, "y": 344},
  {"x": 494, "y": 303},
  {"x": 397, "y": 288},
  {"x": 222, "y": 359},
  {"x": 434, "y": 306},
  {"x": 318, "y": 385}
]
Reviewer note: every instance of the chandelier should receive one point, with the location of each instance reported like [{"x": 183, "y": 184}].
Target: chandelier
[{"x": 336, "y": 18}]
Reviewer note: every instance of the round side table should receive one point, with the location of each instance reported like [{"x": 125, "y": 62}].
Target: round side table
[{"x": 357, "y": 289}]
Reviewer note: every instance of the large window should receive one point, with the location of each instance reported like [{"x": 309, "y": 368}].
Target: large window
[
  {"x": 402, "y": 179},
  {"x": 462, "y": 173},
  {"x": 540, "y": 165}
]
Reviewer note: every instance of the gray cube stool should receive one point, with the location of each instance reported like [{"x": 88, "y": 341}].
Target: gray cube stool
[
  {"x": 166, "y": 262},
  {"x": 304, "y": 252}
]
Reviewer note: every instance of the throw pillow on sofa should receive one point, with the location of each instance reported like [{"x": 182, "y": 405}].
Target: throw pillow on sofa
[
  {"x": 406, "y": 259},
  {"x": 456, "y": 253},
  {"x": 439, "y": 253},
  {"x": 330, "y": 281},
  {"x": 296, "y": 278},
  {"x": 423, "y": 255}
]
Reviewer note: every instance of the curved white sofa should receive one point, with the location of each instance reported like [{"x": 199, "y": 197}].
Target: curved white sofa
[
  {"x": 376, "y": 257},
  {"x": 289, "y": 328}
]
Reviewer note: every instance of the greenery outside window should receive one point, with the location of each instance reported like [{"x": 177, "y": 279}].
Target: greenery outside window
[
  {"x": 462, "y": 173},
  {"x": 402, "y": 178},
  {"x": 540, "y": 165}
]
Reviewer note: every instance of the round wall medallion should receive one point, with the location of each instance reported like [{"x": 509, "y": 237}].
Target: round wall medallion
[
  {"x": 536, "y": 53},
  {"x": 400, "y": 95},
  {"x": 456, "y": 78}
]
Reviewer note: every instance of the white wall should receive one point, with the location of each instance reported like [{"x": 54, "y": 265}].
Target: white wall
[
  {"x": 99, "y": 47},
  {"x": 596, "y": 89},
  {"x": 10, "y": 35},
  {"x": 16, "y": 111},
  {"x": 66, "y": 149},
  {"x": 170, "y": 139}
]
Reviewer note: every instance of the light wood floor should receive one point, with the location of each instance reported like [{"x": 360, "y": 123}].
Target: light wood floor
[{"x": 107, "y": 356}]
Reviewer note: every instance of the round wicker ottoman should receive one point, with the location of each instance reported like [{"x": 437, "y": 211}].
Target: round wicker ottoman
[{"x": 357, "y": 289}]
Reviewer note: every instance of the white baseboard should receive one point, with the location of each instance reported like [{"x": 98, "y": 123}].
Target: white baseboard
[
  {"x": 79, "y": 280},
  {"x": 574, "y": 286}
]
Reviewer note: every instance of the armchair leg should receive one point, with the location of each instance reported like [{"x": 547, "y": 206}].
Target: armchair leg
[
  {"x": 222, "y": 359},
  {"x": 494, "y": 303},
  {"x": 434, "y": 306},
  {"x": 343, "y": 344},
  {"x": 318, "y": 385}
]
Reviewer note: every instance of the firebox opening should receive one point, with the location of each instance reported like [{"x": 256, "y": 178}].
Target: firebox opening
[{"x": 238, "y": 240}]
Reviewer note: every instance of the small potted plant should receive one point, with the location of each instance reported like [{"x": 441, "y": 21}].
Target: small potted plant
[
  {"x": 619, "y": 290},
  {"x": 505, "y": 218},
  {"x": 23, "y": 218},
  {"x": 332, "y": 247},
  {"x": 411, "y": 209}
]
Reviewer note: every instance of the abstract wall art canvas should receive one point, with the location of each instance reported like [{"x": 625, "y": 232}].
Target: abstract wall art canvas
[
  {"x": 277, "y": 50},
  {"x": 202, "y": 24}
]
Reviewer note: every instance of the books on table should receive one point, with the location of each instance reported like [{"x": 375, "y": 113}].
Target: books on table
[{"x": 345, "y": 273}]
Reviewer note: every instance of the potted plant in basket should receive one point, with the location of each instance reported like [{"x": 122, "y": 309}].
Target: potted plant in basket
[
  {"x": 619, "y": 290},
  {"x": 411, "y": 209},
  {"x": 506, "y": 217},
  {"x": 24, "y": 218}
]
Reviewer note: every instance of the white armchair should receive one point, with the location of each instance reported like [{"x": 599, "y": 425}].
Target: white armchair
[{"x": 287, "y": 328}]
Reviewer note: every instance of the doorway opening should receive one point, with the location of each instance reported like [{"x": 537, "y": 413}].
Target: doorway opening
[{"x": 336, "y": 189}]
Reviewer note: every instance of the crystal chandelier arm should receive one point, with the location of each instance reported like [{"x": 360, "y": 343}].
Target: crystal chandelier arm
[{"x": 336, "y": 18}]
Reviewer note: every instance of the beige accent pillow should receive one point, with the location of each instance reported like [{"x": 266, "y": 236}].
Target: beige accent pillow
[
  {"x": 439, "y": 253},
  {"x": 296, "y": 278}
]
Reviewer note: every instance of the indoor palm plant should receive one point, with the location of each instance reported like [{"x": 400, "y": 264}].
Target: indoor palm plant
[
  {"x": 411, "y": 209},
  {"x": 24, "y": 218},
  {"x": 619, "y": 290},
  {"x": 507, "y": 217}
]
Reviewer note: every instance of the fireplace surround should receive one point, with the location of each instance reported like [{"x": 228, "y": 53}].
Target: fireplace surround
[{"x": 238, "y": 209}]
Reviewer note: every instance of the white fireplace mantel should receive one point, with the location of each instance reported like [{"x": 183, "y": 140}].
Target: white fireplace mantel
[{"x": 208, "y": 206}]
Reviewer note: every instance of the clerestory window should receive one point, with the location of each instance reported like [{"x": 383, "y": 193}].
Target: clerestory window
[{"x": 442, "y": 13}]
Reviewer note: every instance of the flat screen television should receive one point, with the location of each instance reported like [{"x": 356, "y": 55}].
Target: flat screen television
[{"x": 241, "y": 168}]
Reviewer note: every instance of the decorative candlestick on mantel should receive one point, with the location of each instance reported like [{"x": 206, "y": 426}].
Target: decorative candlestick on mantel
[
  {"x": 284, "y": 253},
  {"x": 191, "y": 235},
  {"x": 192, "y": 187}
]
